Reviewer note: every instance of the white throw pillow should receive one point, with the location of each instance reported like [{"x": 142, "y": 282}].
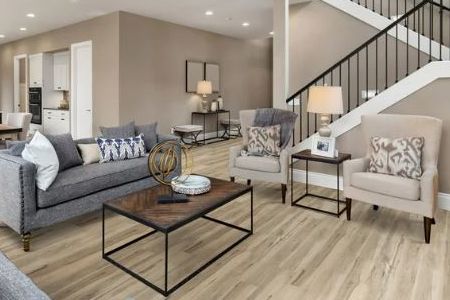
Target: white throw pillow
[
  {"x": 41, "y": 153},
  {"x": 89, "y": 153}
]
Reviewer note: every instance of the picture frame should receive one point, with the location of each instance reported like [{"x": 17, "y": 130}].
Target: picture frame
[
  {"x": 323, "y": 146},
  {"x": 212, "y": 73},
  {"x": 195, "y": 72}
]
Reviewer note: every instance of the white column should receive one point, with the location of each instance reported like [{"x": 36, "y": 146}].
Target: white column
[{"x": 280, "y": 53}]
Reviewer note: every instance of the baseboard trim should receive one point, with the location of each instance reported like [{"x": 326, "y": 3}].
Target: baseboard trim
[{"x": 329, "y": 181}]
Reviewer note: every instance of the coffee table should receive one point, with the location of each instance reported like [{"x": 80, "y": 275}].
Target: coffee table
[{"x": 143, "y": 208}]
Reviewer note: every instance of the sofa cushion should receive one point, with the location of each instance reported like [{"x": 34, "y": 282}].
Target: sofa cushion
[
  {"x": 389, "y": 185},
  {"x": 16, "y": 148},
  {"x": 124, "y": 131},
  {"x": 150, "y": 135},
  {"x": 66, "y": 150},
  {"x": 258, "y": 163},
  {"x": 121, "y": 149},
  {"x": 84, "y": 180}
]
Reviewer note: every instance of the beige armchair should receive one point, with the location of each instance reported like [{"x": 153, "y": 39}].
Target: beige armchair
[
  {"x": 270, "y": 169},
  {"x": 404, "y": 194}
]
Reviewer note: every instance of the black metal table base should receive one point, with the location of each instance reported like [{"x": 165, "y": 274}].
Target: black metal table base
[
  {"x": 336, "y": 214},
  {"x": 166, "y": 290}
]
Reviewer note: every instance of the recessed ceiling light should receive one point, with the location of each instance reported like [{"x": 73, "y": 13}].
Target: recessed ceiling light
[
  {"x": 209, "y": 13},
  {"x": 246, "y": 24},
  {"x": 30, "y": 15},
  {"x": 271, "y": 33},
  {"x": 2, "y": 36},
  {"x": 23, "y": 29}
]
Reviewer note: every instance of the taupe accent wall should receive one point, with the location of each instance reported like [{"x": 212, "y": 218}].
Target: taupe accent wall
[
  {"x": 104, "y": 33},
  {"x": 139, "y": 68},
  {"x": 152, "y": 71}
]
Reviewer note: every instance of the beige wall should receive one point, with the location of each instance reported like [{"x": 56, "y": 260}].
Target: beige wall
[
  {"x": 104, "y": 33},
  {"x": 152, "y": 71},
  {"x": 141, "y": 61}
]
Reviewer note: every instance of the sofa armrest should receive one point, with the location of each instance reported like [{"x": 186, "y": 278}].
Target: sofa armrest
[
  {"x": 429, "y": 186},
  {"x": 18, "y": 192},
  {"x": 354, "y": 166},
  {"x": 235, "y": 152},
  {"x": 167, "y": 137}
]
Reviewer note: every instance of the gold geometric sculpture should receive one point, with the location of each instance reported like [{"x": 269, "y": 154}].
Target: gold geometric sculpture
[{"x": 163, "y": 160}]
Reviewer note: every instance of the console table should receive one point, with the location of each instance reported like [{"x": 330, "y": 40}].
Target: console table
[{"x": 217, "y": 138}]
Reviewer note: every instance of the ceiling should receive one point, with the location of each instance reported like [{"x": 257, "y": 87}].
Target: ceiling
[{"x": 51, "y": 14}]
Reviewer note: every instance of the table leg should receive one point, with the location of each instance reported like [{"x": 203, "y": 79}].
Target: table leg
[
  {"x": 217, "y": 125},
  {"x": 292, "y": 181},
  {"x": 103, "y": 231},
  {"x": 251, "y": 211},
  {"x": 337, "y": 191},
  {"x": 229, "y": 124},
  {"x": 166, "y": 263},
  {"x": 204, "y": 129},
  {"x": 307, "y": 176}
]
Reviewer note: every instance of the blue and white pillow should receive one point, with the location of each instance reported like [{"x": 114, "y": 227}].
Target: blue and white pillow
[{"x": 121, "y": 149}]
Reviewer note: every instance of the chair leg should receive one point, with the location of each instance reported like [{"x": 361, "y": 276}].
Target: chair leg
[
  {"x": 232, "y": 179},
  {"x": 348, "y": 204},
  {"x": 283, "y": 192},
  {"x": 427, "y": 228},
  {"x": 26, "y": 240},
  {"x": 375, "y": 207},
  {"x": 249, "y": 181},
  {"x": 433, "y": 221}
]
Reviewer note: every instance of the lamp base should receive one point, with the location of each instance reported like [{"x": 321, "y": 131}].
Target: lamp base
[{"x": 324, "y": 130}]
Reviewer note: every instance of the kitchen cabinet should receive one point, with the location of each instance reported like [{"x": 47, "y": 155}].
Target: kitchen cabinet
[
  {"x": 61, "y": 71},
  {"x": 36, "y": 65},
  {"x": 56, "y": 121}
]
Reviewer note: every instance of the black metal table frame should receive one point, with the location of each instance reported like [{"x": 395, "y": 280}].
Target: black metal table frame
[
  {"x": 217, "y": 138},
  {"x": 166, "y": 291},
  {"x": 338, "y": 212},
  {"x": 192, "y": 135}
]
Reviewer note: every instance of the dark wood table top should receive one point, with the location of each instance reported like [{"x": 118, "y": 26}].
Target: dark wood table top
[
  {"x": 143, "y": 206},
  {"x": 5, "y": 129},
  {"x": 306, "y": 155}
]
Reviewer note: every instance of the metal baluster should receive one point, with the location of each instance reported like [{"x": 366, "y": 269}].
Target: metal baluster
[
  {"x": 373, "y": 5},
  {"x": 376, "y": 66},
  {"x": 357, "y": 78},
  {"x": 367, "y": 72},
  {"x": 440, "y": 30},
  {"x": 348, "y": 86},
  {"x": 396, "y": 53},
  {"x": 307, "y": 118},
  {"x": 414, "y": 17},
  {"x": 386, "y": 55},
  {"x": 381, "y": 7},
  {"x": 389, "y": 9},
  {"x": 300, "y": 104},
  {"x": 418, "y": 39},
  {"x": 405, "y": 8},
  {"x": 407, "y": 45},
  {"x": 431, "y": 31}
]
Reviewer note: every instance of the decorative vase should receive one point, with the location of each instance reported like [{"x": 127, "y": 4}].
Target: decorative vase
[
  {"x": 214, "y": 106},
  {"x": 205, "y": 105},
  {"x": 220, "y": 102}
]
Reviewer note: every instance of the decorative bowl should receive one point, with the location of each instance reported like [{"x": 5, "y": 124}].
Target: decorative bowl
[{"x": 191, "y": 184}]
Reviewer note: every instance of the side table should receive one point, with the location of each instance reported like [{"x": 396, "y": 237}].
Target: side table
[
  {"x": 188, "y": 131},
  {"x": 307, "y": 157}
]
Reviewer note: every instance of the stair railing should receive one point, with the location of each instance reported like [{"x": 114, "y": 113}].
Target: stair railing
[{"x": 380, "y": 62}]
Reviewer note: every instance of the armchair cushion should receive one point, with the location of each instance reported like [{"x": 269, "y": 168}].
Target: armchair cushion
[
  {"x": 395, "y": 186},
  {"x": 259, "y": 163}
]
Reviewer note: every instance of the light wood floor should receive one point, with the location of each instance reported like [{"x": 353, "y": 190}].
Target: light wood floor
[{"x": 293, "y": 254}]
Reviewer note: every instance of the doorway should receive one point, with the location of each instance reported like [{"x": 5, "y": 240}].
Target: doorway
[{"x": 20, "y": 83}]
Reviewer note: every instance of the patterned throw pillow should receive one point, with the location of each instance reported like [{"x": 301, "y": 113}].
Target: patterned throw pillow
[
  {"x": 399, "y": 157},
  {"x": 120, "y": 149},
  {"x": 264, "y": 141}
]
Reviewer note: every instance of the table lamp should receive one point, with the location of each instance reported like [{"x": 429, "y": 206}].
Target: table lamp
[
  {"x": 326, "y": 101},
  {"x": 204, "y": 88}
]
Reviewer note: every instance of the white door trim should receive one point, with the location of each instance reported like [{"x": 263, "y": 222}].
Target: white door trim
[
  {"x": 73, "y": 84},
  {"x": 16, "y": 99}
]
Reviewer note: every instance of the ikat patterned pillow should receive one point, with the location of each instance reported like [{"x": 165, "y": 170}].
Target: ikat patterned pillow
[
  {"x": 120, "y": 149},
  {"x": 400, "y": 157},
  {"x": 264, "y": 141}
]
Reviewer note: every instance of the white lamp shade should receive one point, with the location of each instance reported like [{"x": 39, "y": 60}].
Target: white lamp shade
[
  {"x": 204, "y": 87},
  {"x": 325, "y": 100}
]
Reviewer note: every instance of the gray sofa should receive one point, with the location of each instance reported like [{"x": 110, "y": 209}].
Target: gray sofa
[
  {"x": 75, "y": 191},
  {"x": 14, "y": 285}
]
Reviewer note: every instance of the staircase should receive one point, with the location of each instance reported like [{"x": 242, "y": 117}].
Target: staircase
[{"x": 408, "y": 53}]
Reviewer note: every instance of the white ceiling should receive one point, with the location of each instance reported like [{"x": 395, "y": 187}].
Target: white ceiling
[{"x": 52, "y": 14}]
